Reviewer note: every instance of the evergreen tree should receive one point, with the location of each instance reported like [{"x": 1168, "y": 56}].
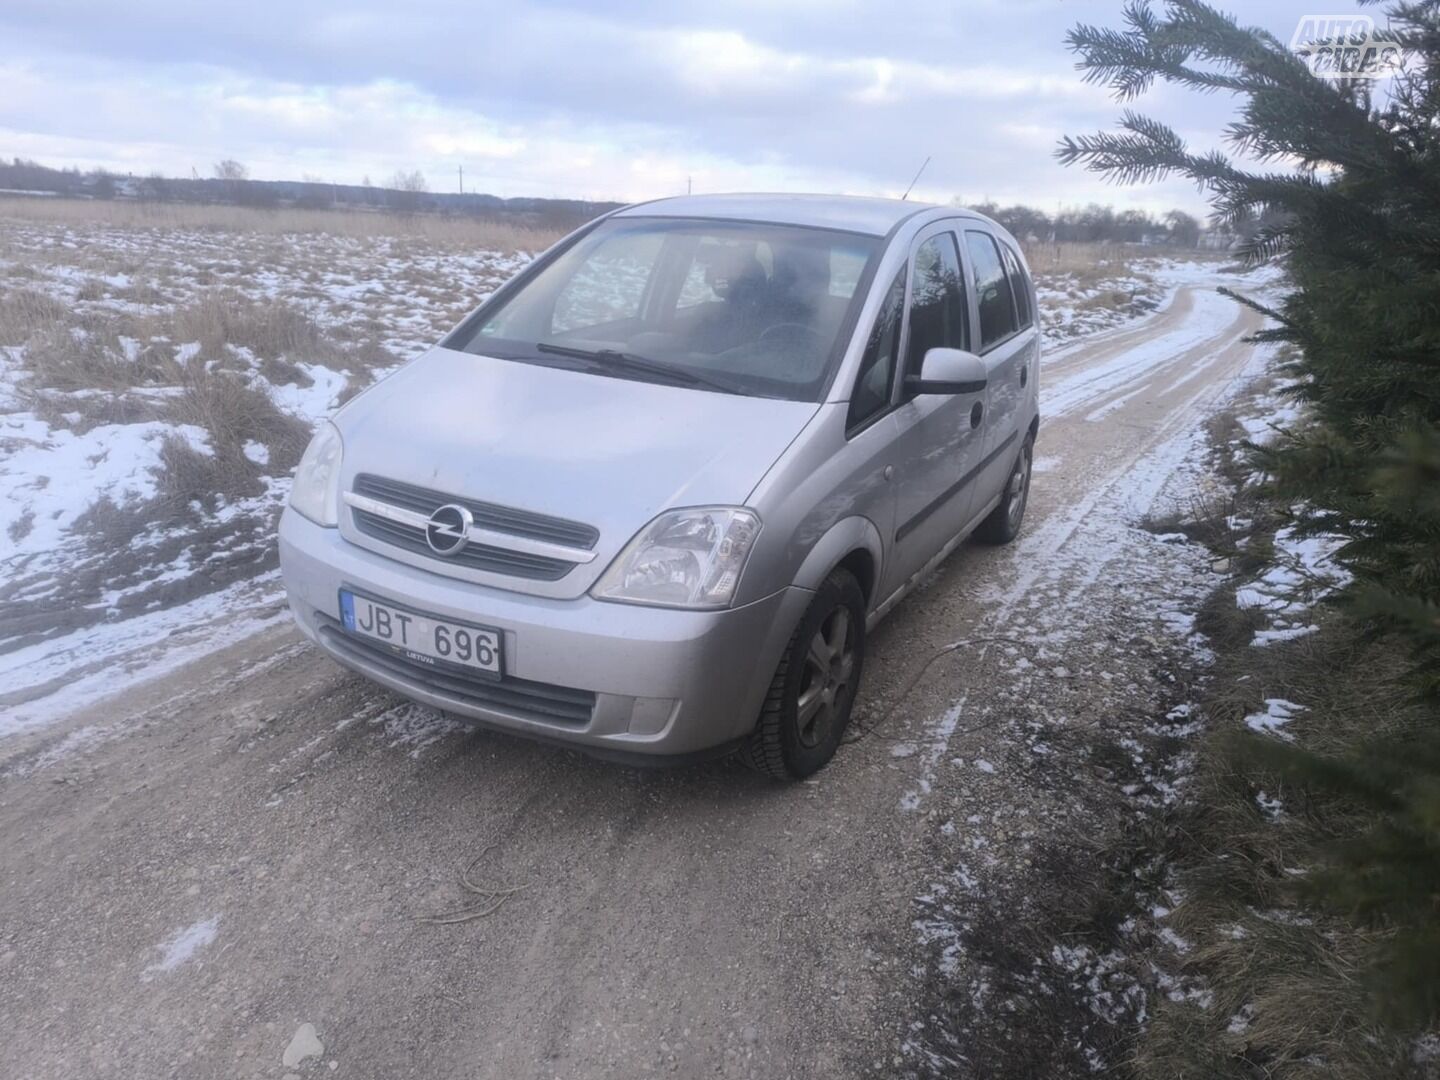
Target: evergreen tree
[{"x": 1348, "y": 191}]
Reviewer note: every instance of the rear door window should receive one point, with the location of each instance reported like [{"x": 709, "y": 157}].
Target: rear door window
[
  {"x": 992, "y": 290},
  {"x": 1019, "y": 285},
  {"x": 937, "y": 300}
]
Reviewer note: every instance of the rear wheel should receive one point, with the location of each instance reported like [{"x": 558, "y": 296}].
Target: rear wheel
[
  {"x": 1003, "y": 524},
  {"x": 808, "y": 705}
]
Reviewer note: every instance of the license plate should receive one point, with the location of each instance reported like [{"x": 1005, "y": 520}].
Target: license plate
[{"x": 422, "y": 638}]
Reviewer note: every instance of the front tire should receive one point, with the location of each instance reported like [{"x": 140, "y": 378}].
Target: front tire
[
  {"x": 1004, "y": 522},
  {"x": 808, "y": 705}
]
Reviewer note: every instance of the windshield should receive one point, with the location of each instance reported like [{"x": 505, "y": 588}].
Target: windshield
[{"x": 750, "y": 308}]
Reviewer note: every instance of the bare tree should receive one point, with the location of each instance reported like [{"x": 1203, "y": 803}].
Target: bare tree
[
  {"x": 412, "y": 182},
  {"x": 1184, "y": 229},
  {"x": 407, "y": 190},
  {"x": 230, "y": 169}
]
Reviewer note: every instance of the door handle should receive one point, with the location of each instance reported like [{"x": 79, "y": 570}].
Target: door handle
[{"x": 977, "y": 413}]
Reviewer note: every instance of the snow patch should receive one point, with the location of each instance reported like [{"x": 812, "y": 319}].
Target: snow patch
[
  {"x": 183, "y": 945},
  {"x": 1278, "y": 712}
]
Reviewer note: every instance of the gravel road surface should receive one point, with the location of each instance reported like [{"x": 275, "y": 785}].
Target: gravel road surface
[{"x": 197, "y": 869}]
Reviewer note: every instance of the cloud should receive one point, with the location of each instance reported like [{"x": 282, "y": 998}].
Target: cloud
[{"x": 548, "y": 98}]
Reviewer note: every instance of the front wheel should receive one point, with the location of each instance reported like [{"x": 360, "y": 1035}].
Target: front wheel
[
  {"x": 809, "y": 701},
  {"x": 1003, "y": 524}
]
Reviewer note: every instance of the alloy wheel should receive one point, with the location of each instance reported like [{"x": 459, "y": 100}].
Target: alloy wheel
[
  {"x": 826, "y": 678},
  {"x": 1017, "y": 491}
]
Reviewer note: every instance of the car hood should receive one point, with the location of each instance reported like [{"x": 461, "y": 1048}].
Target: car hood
[{"x": 606, "y": 452}]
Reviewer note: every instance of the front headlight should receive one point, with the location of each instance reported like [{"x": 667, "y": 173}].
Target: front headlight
[
  {"x": 316, "y": 491},
  {"x": 683, "y": 559}
]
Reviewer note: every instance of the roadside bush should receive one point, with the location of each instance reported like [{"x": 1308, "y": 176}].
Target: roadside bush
[{"x": 1358, "y": 224}]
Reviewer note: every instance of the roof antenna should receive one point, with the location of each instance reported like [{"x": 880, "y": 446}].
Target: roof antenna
[{"x": 917, "y": 177}]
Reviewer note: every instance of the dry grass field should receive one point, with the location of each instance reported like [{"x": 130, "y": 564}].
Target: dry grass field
[
  {"x": 161, "y": 369},
  {"x": 430, "y": 228}
]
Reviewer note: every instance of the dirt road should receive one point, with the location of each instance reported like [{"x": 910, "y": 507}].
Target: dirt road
[{"x": 194, "y": 870}]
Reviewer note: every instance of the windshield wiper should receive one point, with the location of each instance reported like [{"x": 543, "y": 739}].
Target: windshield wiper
[{"x": 636, "y": 365}]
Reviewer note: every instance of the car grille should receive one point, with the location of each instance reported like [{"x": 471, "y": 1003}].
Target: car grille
[
  {"x": 520, "y": 523},
  {"x": 521, "y": 698}
]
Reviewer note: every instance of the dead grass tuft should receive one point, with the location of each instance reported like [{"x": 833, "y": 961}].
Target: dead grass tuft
[
  {"x": 189, "y": 476},
  {"x": 113, "y": 527},
  {"x": 233, "y": 411},
  {"x": 223, "y": 317},
  {"x": 92, "y": 289},
  {"x": 25, "y": 312},
  {"x": 83, "y": 412},
  {"x": 89, "y": 359}
]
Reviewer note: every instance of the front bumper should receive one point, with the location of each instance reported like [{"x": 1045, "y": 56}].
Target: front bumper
[{"x": 663, "y": 682}]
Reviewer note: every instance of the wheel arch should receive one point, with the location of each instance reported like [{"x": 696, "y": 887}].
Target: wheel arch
[{"x": 853, "y": 543}]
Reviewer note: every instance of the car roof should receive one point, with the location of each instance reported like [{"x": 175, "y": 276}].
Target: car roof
[{"x": 853, "y": 213}]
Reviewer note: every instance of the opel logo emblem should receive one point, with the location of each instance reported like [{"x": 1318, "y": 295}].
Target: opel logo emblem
[{"x": 448, "y": 529}]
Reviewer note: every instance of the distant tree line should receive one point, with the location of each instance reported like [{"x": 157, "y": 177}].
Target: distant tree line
[
  {"x": 230, "y": 183},
  {"x": 408, "y": 192},
  {"x": 1095, "y": 223}
]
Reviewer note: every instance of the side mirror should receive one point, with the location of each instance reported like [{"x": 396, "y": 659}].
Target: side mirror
[{"x": 949, "y": 371}]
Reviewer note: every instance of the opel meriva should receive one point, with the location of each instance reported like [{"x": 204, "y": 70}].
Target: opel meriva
[{"x": 648, "y": 499}]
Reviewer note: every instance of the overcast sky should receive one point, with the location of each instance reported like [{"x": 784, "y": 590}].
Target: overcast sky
[{"x": 610, "y": 100}]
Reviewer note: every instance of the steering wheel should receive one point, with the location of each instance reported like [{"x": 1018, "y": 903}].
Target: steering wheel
[{"x": 790, "y": 333}]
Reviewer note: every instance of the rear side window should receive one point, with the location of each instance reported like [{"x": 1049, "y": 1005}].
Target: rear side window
[
  {"x": 937, "y": 300},
  {"x": 1019, "y": 285},
  {"x": 877, "y": 366},
  {"x": 997, "y": 305}
]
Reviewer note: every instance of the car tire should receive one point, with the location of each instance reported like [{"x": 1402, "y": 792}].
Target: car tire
[
  {"x": 808, "y": 704},
  {"x": 1004, "y": 522}
]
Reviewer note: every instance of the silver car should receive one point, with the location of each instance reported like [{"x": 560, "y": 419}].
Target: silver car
[{"x": 650, "y": 497}]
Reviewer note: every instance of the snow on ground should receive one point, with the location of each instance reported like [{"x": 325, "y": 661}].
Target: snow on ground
[
  {"x": 182, "y": 946},
  {"x": 1068, "y": 575},
  {"x": 1278, "y": 712},
  {"x": 50, "y": 476},
  {"x": 1075, "y": 304},
  {"x": 1068, "y": 395},
  {"x": 1093, "y": 612},
  {"x": 1303, "y": 570},
  {"x": 121, "y": 351},
  {"x": 1304, "y": 573},
  {"x": 54, "y": 678}
]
